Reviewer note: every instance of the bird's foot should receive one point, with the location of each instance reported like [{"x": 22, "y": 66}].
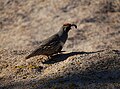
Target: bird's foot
[{"x": 49, "y": 57}]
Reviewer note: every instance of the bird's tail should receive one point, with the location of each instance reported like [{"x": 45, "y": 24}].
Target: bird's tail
[
  {"x": 29, "y": 56},
  {"x": 34, "y": 53}
]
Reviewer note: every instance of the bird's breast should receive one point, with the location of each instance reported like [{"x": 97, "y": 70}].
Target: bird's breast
[{"x": 62, "y": 43}]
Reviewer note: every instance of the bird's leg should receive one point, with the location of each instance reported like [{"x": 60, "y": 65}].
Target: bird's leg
[
  {"x": 49, "y": 57},
  {"x": 61, "y": 52}
]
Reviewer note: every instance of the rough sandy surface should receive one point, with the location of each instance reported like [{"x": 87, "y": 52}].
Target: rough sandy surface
[{"x": 92, "y": 52}]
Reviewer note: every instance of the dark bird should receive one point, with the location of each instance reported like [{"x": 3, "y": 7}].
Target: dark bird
[{"x": 53, "y": 44}]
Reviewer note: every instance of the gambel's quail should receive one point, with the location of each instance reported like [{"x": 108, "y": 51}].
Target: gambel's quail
[{"x": 53, "y": 44}]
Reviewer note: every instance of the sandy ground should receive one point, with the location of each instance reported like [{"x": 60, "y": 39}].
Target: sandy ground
[{"x": 92, "y": 52}]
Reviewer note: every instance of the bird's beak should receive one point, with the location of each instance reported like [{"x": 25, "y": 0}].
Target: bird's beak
[{"x": 74, "y": 25}]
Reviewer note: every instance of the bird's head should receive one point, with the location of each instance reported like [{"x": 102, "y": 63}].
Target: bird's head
[{"x": 67, "y": 26}]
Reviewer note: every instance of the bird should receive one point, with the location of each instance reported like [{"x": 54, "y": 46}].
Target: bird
[{"x": 53, "y": 44}]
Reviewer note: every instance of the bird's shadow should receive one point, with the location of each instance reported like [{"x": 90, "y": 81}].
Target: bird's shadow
[{"x": 63, "y": 56}]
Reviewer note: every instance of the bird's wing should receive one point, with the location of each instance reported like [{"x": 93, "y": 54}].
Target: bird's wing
[
  {"x": 51, "y": 43},
  {"x": 53, "y": 39}
]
